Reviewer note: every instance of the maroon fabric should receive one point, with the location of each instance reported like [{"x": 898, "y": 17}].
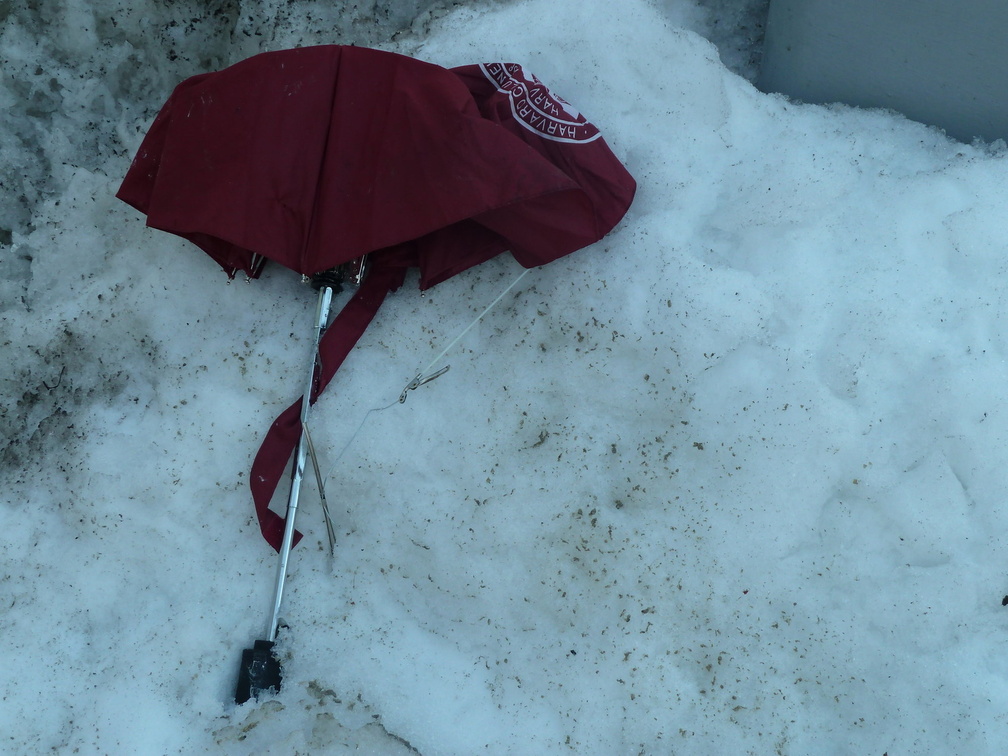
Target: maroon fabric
[
  {"x": 315, "y": 156},
  {"x": 282, "y": 438}
]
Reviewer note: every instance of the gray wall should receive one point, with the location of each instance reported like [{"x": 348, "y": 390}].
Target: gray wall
[{"x": 942, "y": 62}]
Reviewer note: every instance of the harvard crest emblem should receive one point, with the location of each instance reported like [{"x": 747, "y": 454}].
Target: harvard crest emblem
[{"x": 536, "y": 107}]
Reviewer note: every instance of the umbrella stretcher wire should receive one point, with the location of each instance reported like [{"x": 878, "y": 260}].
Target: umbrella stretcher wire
[{"x": 423, "y": 376}]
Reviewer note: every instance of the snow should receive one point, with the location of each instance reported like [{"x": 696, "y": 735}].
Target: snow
[{"x": 729, "y": 481}]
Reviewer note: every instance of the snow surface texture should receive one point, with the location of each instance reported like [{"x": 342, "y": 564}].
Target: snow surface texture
[{"x": 730, "y": 481}]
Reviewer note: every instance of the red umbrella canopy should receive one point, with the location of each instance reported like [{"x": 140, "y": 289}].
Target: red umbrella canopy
[{"x": 316, "y": 156}]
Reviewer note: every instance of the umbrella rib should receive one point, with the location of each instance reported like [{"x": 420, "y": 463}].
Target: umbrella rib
[
  {"x": 425, "y": 376},
  {"x": 321, "y": 488}
]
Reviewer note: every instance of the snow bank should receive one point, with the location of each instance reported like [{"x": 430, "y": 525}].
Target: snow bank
[{"x": 728, "y": 481}]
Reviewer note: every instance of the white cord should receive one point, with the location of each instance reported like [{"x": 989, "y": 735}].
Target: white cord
[
  {"x": 468, "y": 328},
  {"x": 424, "y": 376},
  {"x": 353, "y": 436}
]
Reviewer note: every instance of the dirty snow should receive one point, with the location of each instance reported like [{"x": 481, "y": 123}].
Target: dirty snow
[{"x": 730, "y": 481}]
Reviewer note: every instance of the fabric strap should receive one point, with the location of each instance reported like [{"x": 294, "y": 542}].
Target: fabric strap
[{"x": 282, "y": 438}]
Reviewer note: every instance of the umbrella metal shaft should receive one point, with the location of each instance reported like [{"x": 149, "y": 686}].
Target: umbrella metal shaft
[{"x": 321, "y": 318}]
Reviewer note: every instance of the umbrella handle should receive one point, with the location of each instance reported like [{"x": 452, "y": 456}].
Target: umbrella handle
[{"x": 321, "y": 318}]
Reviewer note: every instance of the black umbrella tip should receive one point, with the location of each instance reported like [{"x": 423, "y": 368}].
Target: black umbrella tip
[{"x": 260, "y": 672}]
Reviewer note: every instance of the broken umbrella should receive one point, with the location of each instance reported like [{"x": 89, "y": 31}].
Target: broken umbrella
[{"x": 320, "y": 158}]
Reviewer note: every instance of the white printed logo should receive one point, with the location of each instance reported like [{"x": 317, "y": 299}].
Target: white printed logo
[{"x": 536, "y": 107}]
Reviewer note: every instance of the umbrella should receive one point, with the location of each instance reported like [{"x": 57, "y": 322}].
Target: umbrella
[{"x": 318, "y": 157}]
